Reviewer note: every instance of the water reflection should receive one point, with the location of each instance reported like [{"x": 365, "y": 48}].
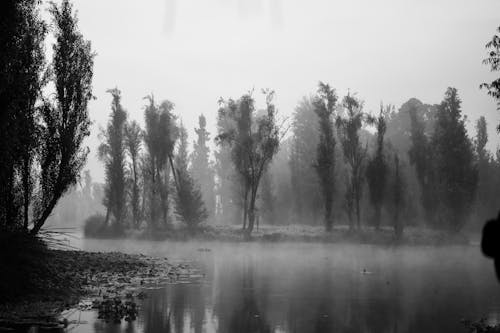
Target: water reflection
[{"x": 318, "y": 288}]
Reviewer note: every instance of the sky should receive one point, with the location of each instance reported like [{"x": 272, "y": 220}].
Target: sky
[{"x": 192, "y": 52}]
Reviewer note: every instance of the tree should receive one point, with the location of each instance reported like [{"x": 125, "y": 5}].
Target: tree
[
  {"x": 307, "y": 200},
  {"x": 189, "y": 205},
  {"x": 112, "y": 153},
  {"x": 22, "y": 64},
  {"x": 376, "y": 171},
  {"x": 267, "y": 198},
  {"x": 181, "y": 156},
  {"x": 201, "y": 169},
  {"x": 65, "y": 121},
  {"x": 354, "y": 155},
  {"x": 397, "y": 198},
  {"x": 226, "y": 179},
  {"x": 493, "y": 61},
  {"x": 236, "y": 120},
  {"x": 253, "y": 143},
  {"x": 160, "y": 136},
  {"x": 488, "y": 174},
  {"x": 133, "y": 138},
  {"x": 421, "y": 157},
  {"x": 481, "y": 140},
  {"x": 455, "y": 167},
  {"x": 324, "y": 107}
]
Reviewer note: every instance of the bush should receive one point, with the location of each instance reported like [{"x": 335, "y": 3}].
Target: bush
[{"x": 189, "y": 205}]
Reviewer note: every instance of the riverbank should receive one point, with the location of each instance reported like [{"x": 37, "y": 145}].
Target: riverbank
[
  {"x": 300, "y": 233},
  {"x": 63, "y": 279}
]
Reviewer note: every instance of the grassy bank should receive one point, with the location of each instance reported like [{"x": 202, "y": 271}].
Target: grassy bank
[{"x": 300, "y": 233}]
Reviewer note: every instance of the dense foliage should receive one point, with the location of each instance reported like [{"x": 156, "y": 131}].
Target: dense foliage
[{"x": 41, "y": 136}]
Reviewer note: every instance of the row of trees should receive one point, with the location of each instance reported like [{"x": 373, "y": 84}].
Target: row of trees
[
  {"x": 41, "y": 134},
  {"x": 407, "y": 166},
  {"x": 431, "y": 140},
  {"x": 143, "y": 167},
  {"x": 341, "y": 165}
]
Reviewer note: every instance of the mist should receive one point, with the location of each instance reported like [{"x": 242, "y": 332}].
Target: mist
[{"x": 250, "y": 166}]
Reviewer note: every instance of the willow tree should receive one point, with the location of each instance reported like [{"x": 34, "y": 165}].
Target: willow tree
[
  {"x": 354, "y": 154},
  {"x": 324, "y": 107},
  {"x": 254, "y": 140}
]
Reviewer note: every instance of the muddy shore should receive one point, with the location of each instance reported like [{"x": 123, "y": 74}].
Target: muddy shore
[{"x": 109, "y": 282}]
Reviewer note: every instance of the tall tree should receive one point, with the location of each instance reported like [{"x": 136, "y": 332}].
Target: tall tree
[
  {"x": 397, "y": 197},
  {"x": 354, "y": 154},
  {"x": 324, "y": 107},
  {"x": 66, "y": 120},
  {"x": 253, "y": 143},
  {"x": 267, "y": 199},
  {"x": 421, "y": 157},
  {"x": 133, "y": 139},
  {"x": 224, "y": 186},
  {"x": 160, "y": 136},
  {"x": 22, "y": 63},
  {"x": 181, "y": 156},
  {"x": 486, "y": 189},
  {"x": 201, "y": 169},
  {"x": 235, "y": 118},
  {"x": 455, "y": 167},
  {"x": 307, "y": 200},
  {"x": 493, "y": 60},
  {"x": 112, "y": 153},
  {"x": 376, "y": 171},
  {"x": 189, "y": 205}
]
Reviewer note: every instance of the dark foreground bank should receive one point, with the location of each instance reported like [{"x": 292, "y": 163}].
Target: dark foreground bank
[{"x": 37, "y": 283}]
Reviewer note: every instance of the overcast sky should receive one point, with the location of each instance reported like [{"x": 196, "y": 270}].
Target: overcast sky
[{"x": 192, "y": 52}]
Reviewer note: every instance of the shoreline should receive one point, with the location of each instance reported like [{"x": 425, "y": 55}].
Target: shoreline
[
  {"x": 109, "y": 282},
  {"x": 413, "y": 236}
]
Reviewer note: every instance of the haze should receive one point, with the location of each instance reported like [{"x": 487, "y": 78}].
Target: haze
[{"x": 193, "y": 52}]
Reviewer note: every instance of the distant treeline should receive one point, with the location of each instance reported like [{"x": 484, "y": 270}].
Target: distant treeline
[{"x": 332, "y": 164}]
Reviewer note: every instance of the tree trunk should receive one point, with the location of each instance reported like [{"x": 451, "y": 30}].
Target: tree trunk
[
  {"x": 37, "y": 225},
  {"x": 106, "y": 221},
  {"x": 251, "y": 213}
]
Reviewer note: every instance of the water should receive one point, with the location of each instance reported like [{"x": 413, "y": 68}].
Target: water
[{"x": 252, "y": 287}]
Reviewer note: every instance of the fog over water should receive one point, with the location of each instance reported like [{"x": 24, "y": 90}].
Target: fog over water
[
  {"x": 302, "y": 287},
  {"x": 193, "y": 52}
]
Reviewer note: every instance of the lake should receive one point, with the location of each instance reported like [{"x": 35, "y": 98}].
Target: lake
[{"x": 306, "y": 287}]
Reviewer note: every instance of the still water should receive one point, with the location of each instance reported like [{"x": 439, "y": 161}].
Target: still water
[{"x": 302, "y": 287}]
